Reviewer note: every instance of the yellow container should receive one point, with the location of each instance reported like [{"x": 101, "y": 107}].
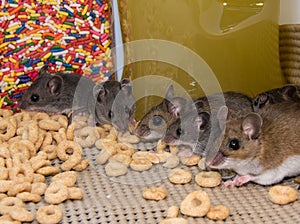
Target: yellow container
[{"x": 237, "y": 41}]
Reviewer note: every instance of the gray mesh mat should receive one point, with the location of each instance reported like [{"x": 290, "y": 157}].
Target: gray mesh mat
[{"x": 119, "y": 199}]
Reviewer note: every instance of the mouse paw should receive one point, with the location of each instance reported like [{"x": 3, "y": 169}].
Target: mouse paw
[{"x": 238, "y": 181}]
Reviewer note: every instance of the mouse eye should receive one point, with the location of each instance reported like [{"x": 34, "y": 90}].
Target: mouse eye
[
  {"x": 127, "y": 110},
  {"x": 110, "y": 114},
  {"x": 157, "y": 120},
  {"x": 179, "y": 131},
  {"x": 234, "y": 144},
  {"x": 34, "y": 97}
]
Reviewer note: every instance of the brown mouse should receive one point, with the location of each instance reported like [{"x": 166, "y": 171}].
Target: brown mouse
[
  {"x": 262, "y": 148},
  {"x": 155, "y": 122},
  {"x": 194, "y": 128},
  {"x": 288, "y": 92},
  {"x": 58, "y": 93},
  {"x": 114, "y": 104}
]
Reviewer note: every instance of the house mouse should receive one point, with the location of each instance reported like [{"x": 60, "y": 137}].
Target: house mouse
[
  {"x": 154, "y": 123},
  {"x": 58, "y": 93},
  {"x": 62, "y": 93},
  {"x": 114, "y": 103},
  {"x": 194, "y": 129},
  {"x": 262, "y": 148},
  {"x": 288, "y": 92}
]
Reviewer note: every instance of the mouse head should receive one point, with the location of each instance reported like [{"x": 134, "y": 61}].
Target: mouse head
[
  {"x": 240, "y": 143},
  {"x": 123, "y": 108},
  {"x": 44, "y": 93},
  {"x": 192, "y": 130},
  {"x": 286, "y": 93},
  {"x": 155, "y": 122},
  {"x": 114, "y": 103}
]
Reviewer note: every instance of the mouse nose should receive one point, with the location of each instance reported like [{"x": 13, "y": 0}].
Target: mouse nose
[
  {"x": 168, "y": 139},
  {"x": 23, "y": 104},
  {"x": 141, "y": 130}
]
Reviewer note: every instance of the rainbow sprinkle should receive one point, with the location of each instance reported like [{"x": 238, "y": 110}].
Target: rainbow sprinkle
[{"x": 70, "y": 36}]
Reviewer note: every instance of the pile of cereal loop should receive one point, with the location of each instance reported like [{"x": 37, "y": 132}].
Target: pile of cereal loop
[{"x": 68, "y": 35}]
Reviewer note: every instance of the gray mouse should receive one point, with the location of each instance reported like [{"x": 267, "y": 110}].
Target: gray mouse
[
  {"x": 155, "y": 122},
  {"x": 193, "y": 129},
  {"x": 262, "y": 148},
  {"x": 288, "y": 92},
  {"x": 58, "y": 93},
  {"x": 114, "y": 104}
]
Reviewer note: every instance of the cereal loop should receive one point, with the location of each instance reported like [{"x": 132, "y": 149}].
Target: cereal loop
[
  {"x": 155, "y": 193},
  {"x": 49, "y": 124},
  {"x": 124, "y": 148},
  {"x": 75, "y": 193},
  {"x": 17, "y": 188},
  {"x": 48, "y": 170},
  {"x": 123, "y": 158},
  {"x": 51, "y": 151},
  {"x": 70, "y": 152},
  {"x": 56, "y": 193},
  {"x": 115, "y": 169},
  {"x": 71, "y": 129},
  {"x": 190, "y": 161},
  {"x": 173, "y": 211},
  {"x": 21, "y": 174},
  {"x": 146, "y": 155},
  {"x": 103, "y": 156},
  {"x": 28, "y": 196},
  {"x": 180, "y": 176},
  {"x": 67, "y": 178},
  {"x": 282, "y": 194},
  {"x": 49, "y": 214},
  {"x": 172, "y": 162},
  {"x": 40, "y": 116},
  {"x": 82, "y": 165},
  {"x": 208, "y": 179},
  {"x": 7, "y": 130},
  {"x": 21, "y": 214},
  {"x": 38, "y": 188},
  {"x": 9, "y": 203},
  {"x": 140, "y": 164},
  {"x": 24, "y": 147},
  {"x": 218, "y": 212},
  {"x": 61, "y": 119},
  {"x": 6, "y": 113},
  {"x": 196, "y": 204},
  {"x": 86, "y": 137}
]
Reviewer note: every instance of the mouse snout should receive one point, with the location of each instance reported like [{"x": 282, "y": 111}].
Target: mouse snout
[
  {"x": 142, "y": 130},
  {"x": 121, "y": 126},
  {"x": 23, "y": 104},
  {"x": 168, "y": 139}
]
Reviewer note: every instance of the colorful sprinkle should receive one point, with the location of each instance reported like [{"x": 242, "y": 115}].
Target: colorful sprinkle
[{"x": 68, "y": 35}]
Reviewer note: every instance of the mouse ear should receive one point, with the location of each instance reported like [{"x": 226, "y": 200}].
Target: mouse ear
[
  {"x": 201, "y": 120},
  {"x": 43, "y": 70},
  {"x": 126, "y": 86},
  {"x": 175, "y": 105},
  {"x": 54, "y": 85},
  {"x": 289, "y": 91},
  {"x": 251, "y": 125},
  {"x": 259, "y": 101},
  {"x": 170, "y": 92},
  {"x": 99, "y": 92}
]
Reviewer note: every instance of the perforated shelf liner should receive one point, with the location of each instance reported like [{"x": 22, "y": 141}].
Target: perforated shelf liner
[{"x": 119, "y": 199}]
